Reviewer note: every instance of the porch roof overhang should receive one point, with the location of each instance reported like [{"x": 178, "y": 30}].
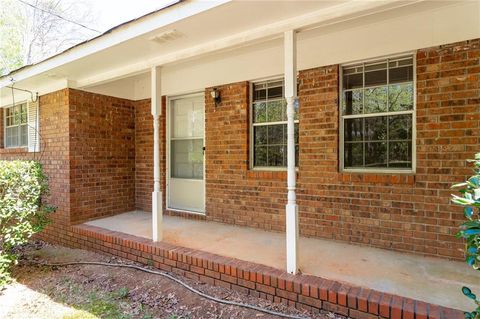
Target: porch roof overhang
[{"x": 184, "y": 31}]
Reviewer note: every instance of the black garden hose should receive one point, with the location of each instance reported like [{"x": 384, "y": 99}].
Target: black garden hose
[{"x": 204, "y": 295}]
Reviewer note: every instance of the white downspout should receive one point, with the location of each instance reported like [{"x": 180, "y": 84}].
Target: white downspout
[
  {"x": 157, "y": 214},
  {"x": 290, "y": 47}
]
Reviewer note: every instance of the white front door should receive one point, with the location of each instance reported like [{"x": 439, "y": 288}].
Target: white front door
[{"x": 186, "y": 186}]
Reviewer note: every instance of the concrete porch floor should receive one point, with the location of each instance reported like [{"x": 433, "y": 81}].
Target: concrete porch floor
[{"x": 428, "y": 279}]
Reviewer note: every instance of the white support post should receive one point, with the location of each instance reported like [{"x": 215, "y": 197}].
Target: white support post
[
  {"x": 157, "y": 214},
  {"x": 290, "y": 47}
]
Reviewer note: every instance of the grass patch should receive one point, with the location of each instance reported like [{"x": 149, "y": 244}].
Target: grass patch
[{"x": 94, "y": 303}]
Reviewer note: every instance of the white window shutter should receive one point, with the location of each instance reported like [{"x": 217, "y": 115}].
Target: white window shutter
[{"x": 33, "y": 127}]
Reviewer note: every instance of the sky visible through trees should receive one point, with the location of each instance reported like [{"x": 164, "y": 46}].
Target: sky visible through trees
[{"x": 33, "y": 30}]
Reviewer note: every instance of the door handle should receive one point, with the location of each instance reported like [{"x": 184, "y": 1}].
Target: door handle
[{"x": 203, "y": 150}]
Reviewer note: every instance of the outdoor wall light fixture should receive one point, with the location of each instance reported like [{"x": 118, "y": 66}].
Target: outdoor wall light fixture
[{"x": 215, "y": 94}]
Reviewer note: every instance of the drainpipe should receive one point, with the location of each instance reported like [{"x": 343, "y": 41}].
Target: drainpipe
[
  {"x": 290, "y": 48},
  {"x": 157, "y": 214}
]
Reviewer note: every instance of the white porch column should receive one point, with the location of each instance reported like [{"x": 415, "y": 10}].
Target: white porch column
[
  {"x": 290, "y": 47},
  {"x": 157, "y": 214}
]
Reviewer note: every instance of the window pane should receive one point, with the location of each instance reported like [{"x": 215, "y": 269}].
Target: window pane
[
  {"x": 376, "y": 100},
  {"x": 260, "y": 156},
  {"x": 23, "y": 118},
  {"x": 276, "y": 155},
  {"x": 259, "y": 112},
  {"x": 275, "y": 134},
  {"x": 23, "y": 111},
  {"x": 375, "y": 66},
  {"x": 377, "y": 77},
  {"x": 400, "y": 154},
  {"x": 187, "y": 159},
  {"x": 275, "y": 92},
  {"x": 352, "y": 80},
  {"x": 270, "y": 141},
  {"x": 12, "y": 134},
  {"x": 401, "y": 74},
  {"x": 295, "y": 108},
  {"x": 259, "y": 91},
  {"x": 295, "y": 132},
  {"x": 352, "y": 102},
  {"x": 275, "y": 111},
  {"x": 353, "y": 155},
  {"x": 187, "y": 118},
  {"x": 400, "y": 97},
  {"x": 353, "y": 130},
  {"x": 403, "y": 61},
  {"x": 297, "y": 152},
  {"x": 24, "y": 135},
  {"x": 376, "y": 154},
  {"x": 400, "y": 127},
  {"x": 376, "y": 128},
  {"x": 260, "y": 133},
  {"x": 16, "y": 115}
]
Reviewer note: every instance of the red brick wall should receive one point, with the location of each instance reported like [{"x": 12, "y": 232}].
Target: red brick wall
[
  {"x": 102, "y": 155},
  {"x": 409, "y": 213},
  {"x": 235, "y": 194},
  {"x": 143, "y": 155},
  {"x": 54, "y": 156}
]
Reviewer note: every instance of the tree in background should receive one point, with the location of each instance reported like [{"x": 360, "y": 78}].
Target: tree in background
[{"x": 33, "y": 30}]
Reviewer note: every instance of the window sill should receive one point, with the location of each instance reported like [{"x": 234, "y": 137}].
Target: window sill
[{"x": 13, "y": 150}]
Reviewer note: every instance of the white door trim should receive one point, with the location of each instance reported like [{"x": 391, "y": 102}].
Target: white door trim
[{"x": 170, "y": 99}]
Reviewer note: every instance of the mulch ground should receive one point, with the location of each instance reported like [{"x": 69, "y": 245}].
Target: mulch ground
[{"x": 85, "y": 292}]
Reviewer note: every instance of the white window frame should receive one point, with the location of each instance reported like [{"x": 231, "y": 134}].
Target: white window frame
[
  {"x": 19, "y": 125},
  {"x": 413, "y": 113},
  {"x": 251, "y": 126}
]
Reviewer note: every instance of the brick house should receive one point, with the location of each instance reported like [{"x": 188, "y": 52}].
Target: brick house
[{"x": 190, "y": 112}]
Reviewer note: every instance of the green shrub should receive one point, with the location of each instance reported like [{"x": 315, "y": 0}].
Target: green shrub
[
  {"x": 22, "y": 212},
  {"x": 470, "y": 229}
]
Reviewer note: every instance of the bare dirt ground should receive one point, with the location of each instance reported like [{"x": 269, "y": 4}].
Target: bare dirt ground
[{"x": 86, "y": 292}]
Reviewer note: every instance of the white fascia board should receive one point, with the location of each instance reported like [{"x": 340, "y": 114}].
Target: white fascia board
[
  {"x": 336, "y": 14},
  {"x": 129, "y": 31}
]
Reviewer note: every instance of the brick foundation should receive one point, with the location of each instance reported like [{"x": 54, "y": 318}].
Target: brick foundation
[{"x": 301, "y": 291}]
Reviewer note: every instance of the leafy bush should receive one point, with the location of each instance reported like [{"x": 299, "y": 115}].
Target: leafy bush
[
  {"x": 470, "y": 230},
  {"x": 22, "y": 212}
]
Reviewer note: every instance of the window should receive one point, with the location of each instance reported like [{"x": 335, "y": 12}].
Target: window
[
  {"x": 377, "y": 107},
  {"x": 16, "y": 128},
  {"x": 269, "y": 125}
]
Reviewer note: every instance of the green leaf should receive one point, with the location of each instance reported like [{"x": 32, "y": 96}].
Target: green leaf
[
  {"x": 468, "y": 212},
  {"x": 459, "y": 185}
]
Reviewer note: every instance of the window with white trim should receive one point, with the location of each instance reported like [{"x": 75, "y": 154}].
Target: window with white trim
[
  {"x": 269, "y": 125},
  {"x": 377, "y": 109},
  {"x": 16, "y": 126}
]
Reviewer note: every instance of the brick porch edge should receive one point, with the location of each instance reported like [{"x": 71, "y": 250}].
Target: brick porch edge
[{"x": 301, "y": 291}]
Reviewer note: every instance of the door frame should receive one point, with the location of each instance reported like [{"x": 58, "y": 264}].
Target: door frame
[{"x": 170, "y": 99}]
